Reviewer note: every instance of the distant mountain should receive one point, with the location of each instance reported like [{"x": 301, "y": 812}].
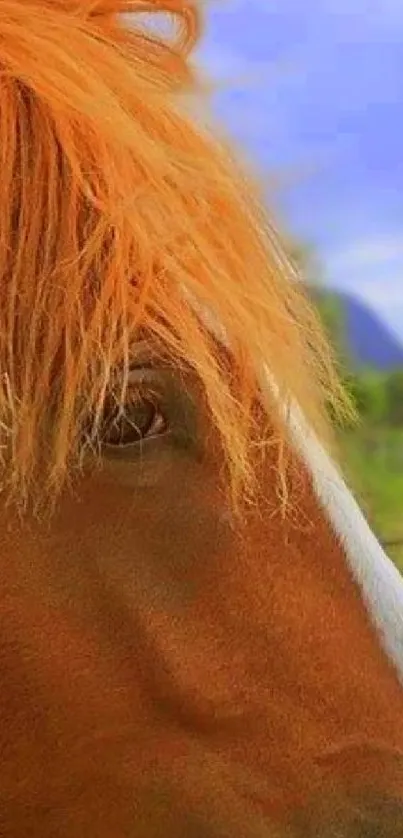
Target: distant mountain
[{"x": 368, "y": 341}]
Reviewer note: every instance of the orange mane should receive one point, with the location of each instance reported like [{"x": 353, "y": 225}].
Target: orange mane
[{"x": 116, "y": 212}]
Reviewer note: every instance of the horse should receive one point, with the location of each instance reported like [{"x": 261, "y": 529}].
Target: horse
[{"x": 199, "y": 634}]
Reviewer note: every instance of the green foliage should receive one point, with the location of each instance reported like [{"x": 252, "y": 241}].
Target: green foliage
[
  {"x": 331, "y": 311},
  {"x": 373, "y": 454},
  {"x": 394, "y": 395},
  {"x": 378, "y": 397},
  {"x": 369, "y": 393},
  {"x": 372, "y": 458}
]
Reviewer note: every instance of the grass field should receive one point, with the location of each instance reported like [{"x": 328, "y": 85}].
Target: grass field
[{"x": 373, "y": 463}]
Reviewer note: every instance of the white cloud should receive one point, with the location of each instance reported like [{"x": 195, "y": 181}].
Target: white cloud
[
  {"x": 369, "y": 253},
  {"x": 387, "y": 293},
  {"x": 386, "y": 302}
]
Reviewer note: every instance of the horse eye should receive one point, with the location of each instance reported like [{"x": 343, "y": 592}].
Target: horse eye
[{"x": 134, "y": 423}]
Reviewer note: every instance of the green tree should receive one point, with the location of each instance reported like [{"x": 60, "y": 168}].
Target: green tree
[
  {"x": 369, "y": 393},
  {"x": 394, "y": 396},
  {"x": 331, "y": 311}
]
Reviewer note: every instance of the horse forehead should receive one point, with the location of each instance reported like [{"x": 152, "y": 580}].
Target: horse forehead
[{"x": 379, "y": 580}]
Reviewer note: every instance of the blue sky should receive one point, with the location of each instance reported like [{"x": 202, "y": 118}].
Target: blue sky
[{"x": 312, "y": 90}]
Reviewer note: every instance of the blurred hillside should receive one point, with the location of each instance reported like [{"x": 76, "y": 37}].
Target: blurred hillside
[
  {"x": 363, "y": 340},
  {"x": 367, "y": 340}
]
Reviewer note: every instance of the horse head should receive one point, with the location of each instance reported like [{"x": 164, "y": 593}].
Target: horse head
[{"x": 199, "y": 634}]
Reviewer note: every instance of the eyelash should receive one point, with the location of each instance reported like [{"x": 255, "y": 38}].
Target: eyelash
[{"x": 140, "y": 418}]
